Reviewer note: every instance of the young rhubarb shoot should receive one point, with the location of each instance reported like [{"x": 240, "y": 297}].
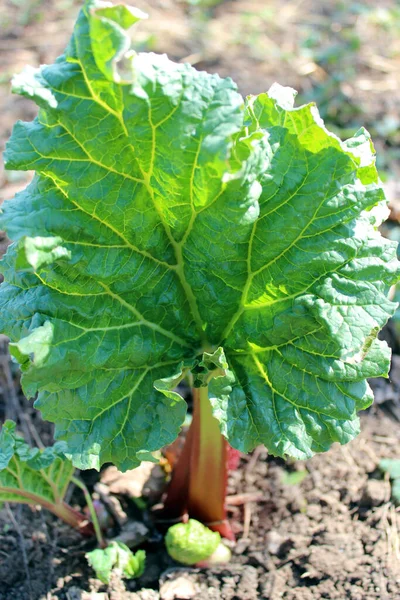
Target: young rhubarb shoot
[
  {"x": 31, "y": 476},
  {"x": 116, "y": 556},
  {"x": 191, "y": 542},
  {"x": 175, "y": 229},
  {"x": 391, "y": 466}
]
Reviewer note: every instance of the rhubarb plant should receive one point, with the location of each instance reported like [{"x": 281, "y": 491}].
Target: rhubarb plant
[
  {"x": 38, "y": 477},
  {"x": 176, "y": 230}
]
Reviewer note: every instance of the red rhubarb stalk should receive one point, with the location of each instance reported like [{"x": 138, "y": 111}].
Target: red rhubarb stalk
[
  {"x": 198, "y": 484},
  {"x": 61, "y": 509}
]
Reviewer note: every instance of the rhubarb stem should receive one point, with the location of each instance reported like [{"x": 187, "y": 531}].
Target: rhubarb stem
[
  {"x": 208, "y": 467},
  {"x": 59, "y": 508},
  {"x": 199, "y": 479},
  {"x": 92, "y": 511}
]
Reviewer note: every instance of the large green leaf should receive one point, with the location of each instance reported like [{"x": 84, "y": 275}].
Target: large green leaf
[{"x": 168, "y": 219}]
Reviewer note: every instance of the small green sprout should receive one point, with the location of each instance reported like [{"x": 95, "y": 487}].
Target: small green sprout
[
  {"x": 116, "y": 556},
  {"x": 392, "y": 467}
]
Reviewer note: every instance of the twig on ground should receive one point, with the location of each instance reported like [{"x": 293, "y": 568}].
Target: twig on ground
[
  {"x": 22, "y": 546},
  {"x": 393, "y": 538},
  {"x": 364, "y": 447},
  {"x": 52, "y": 544},
  {"x": 247, "y": 519},
  {"x": 385, "y": 440},
  {"x": 245, "y": 498},
  {"x": 13, "y": 405},
  {"x": 33, "y": 431},
  {"x": 254, "y": 458},
  {"x": 291, "y": 558},
  {"x": 349, "y": 458}
]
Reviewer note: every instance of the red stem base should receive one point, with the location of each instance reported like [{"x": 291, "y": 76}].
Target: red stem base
[{"x": 199, "y": 479}]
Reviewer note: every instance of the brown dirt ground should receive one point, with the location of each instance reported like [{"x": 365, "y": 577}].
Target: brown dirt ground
[{"x": 334, "y": 535}]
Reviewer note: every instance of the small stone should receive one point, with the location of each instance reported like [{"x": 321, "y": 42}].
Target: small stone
[
  {"x": 275, "y": 541},
  {"x": 180, "y": 588},
  {"x": 130, "y": 483},
  {"x": 39, "y": 536},
  {"x": 374, "y": 493},
  {"x": 241, "y": 546},
  {"x": 112, "y": 503},
  {"x": 144, "y": 594},
  {"x": 133, "y": 534},
  {"x": 74, "y": 593}
]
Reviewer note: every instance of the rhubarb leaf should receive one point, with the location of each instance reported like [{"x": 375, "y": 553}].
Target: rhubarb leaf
[
  {"x": 188, "y": 230},
  {"x": 304, "y": 338},
  {"x": 30, "y": 475}
]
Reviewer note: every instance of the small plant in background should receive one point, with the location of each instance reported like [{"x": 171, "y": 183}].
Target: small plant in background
[
  {"x": 175, "y": 230},
  {"x": 35, "y": 477},
  {"x": 391, "y": 466},
  {"x": 41, "y": 478}
]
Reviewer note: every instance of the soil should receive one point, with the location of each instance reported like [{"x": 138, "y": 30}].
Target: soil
[
  {"x": 333, "y": 535},
  {"x": 324, "y": 528}
]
